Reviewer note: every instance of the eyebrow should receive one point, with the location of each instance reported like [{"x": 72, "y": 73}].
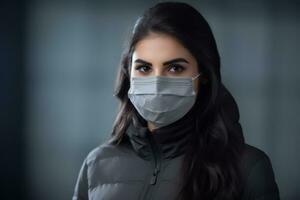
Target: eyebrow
[{"x": 165, "y": 63}]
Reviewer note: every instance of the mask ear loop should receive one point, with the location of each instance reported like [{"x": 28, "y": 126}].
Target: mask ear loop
[{"x": 193, "y": 78}]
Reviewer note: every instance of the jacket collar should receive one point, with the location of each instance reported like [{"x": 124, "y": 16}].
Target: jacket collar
[{"x": 170, "y": 140}]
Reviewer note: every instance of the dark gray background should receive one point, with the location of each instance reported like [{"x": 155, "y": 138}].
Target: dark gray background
[{"x": 71, "y": 51}]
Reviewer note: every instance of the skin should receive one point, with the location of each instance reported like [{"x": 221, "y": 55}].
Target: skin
[{"x": 156, "y": 49}]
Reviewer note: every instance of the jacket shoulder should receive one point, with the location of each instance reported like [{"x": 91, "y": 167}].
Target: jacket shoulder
[
  {"x": 250, "y": 157},
  {"x": 88, "y": 172},
  {"x": 258, "y": 175},
  {"x": 104, "y": 151}
]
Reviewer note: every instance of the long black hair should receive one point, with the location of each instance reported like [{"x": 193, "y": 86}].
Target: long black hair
[{"x": 210, "y": 168}]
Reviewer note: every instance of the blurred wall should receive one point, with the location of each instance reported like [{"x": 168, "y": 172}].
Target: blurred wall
[
  {"x": 12, "y": 165},
  {"x": 71, "y": 54}
]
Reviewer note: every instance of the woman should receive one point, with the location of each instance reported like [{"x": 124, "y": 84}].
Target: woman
[{"x": 177, "y": 134}]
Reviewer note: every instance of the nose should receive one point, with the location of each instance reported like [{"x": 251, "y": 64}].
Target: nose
[{"x": 158, "y": 71}]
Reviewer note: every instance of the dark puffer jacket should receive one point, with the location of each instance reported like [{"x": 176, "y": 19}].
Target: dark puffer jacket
[{"x": 147, "y": 166}]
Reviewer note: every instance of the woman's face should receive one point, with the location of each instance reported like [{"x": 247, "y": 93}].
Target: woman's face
[{"x": 162, "y": 55}]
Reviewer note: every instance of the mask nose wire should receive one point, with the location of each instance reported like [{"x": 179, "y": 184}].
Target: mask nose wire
[{"x": 193, "y": 78}]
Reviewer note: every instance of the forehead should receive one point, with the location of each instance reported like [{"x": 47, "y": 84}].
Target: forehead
[{"x": 158, "y": 46}]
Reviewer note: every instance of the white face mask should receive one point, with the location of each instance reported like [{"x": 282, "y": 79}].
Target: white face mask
[{"x": 160, "y": 99}]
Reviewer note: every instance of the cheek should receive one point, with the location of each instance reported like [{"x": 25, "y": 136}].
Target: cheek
[
  {"x": 196, "y": 85},
  {"x": 132, "y": 72}
]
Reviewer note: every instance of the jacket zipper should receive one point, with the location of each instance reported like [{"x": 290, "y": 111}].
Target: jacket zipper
[{"x": 157, "y": 167}]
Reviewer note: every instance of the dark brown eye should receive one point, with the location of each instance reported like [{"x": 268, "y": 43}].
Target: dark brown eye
[
  {"x": 142, "y": 68},
  {"x": 175, "y": 68}
]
